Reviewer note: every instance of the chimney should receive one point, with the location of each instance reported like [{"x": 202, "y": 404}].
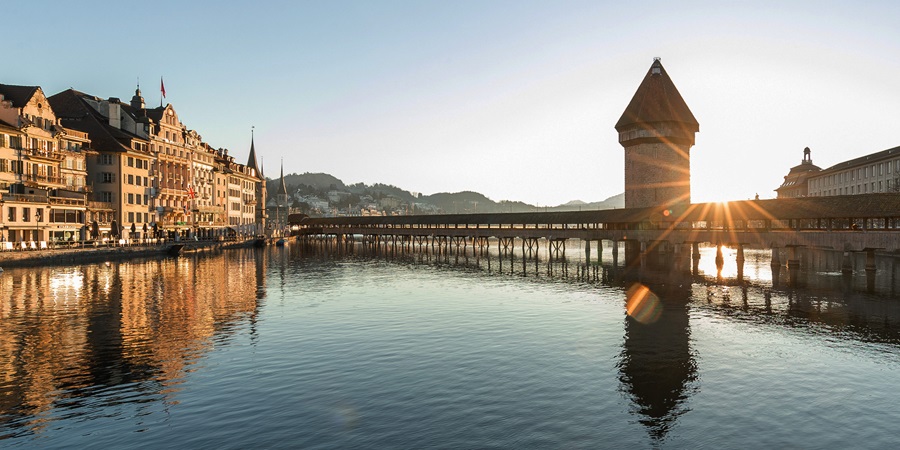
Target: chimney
[{"x": 115, "y": 113}]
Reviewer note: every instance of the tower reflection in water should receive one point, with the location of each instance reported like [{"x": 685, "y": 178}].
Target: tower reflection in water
[{"x": 657, "y": 368}]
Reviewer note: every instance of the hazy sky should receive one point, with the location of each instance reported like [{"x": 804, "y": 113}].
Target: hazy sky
[{"x": 514, "y": 99}]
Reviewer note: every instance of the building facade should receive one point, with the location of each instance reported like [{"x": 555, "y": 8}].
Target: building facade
[
  {"x": 75, "y": 166},
  {"x": 873, "y": 173},
  {"x": 43, "y": 185},
  {"x": 877, "y": 172},
  {"x": 121, "y": 165}
]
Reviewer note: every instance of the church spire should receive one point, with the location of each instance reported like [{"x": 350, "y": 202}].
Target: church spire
[
  {"x": 282, "y": 189},
  {"x": 251, "y": 162}
]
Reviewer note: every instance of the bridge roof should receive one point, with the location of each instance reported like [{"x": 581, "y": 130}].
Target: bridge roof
[
  {"x": 834, "y": 207},
  {"x": 848, "y": 206}
]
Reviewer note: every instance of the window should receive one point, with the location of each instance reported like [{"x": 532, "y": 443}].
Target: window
[
  {"x": 130, "y": 198},
  {"x": 39, "y": 214},
  {"x": 11, "y": 217},
  {"x": 130, "y": 179},
  {"x": 131, "y": 216},
  {"x": 26, "y": 214},
  {"x": 106, "y": 197},
  {"x": 105, "y": 159},
  {"x": 106, "y": 177},
  {"x": 130, "y": 161}
]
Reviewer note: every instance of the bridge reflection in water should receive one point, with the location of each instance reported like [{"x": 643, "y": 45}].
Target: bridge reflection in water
[{"x": 657, "y": 365}]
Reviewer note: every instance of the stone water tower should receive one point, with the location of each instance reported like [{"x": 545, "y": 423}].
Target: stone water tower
[{"x": 657, "y": 131}]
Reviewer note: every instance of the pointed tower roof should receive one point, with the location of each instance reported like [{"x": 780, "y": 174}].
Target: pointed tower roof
[
  {"x": 282, "y": 189},
  {"x": 657, "y": 100},
  {"x": 251, "y": 162}
]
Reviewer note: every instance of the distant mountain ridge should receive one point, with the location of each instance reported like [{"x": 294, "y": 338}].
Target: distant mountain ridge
[{"x": 321, "y": 184}]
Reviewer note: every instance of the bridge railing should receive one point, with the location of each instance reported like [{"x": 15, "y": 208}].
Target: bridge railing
[{"x": 867, "y": 224}]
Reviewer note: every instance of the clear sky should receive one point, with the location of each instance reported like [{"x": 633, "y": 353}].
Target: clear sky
[{"x": 514, "y": 99}]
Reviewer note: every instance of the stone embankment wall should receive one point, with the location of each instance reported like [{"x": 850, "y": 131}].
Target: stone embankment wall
[{"x": 31, "y": 258}]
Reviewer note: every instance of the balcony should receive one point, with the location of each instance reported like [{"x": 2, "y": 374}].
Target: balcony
[
  {"x": 25, "y": 198},
  {"x": 41, "y": 179},
  {"x": 172, "y": 192},
  {"x": 67, "y": 201},
  {"x": 33, "y": 153},
  {"x": 100, "y": 206}
]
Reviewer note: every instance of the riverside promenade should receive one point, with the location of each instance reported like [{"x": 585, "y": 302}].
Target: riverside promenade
[{"x": 87, "y": 252}]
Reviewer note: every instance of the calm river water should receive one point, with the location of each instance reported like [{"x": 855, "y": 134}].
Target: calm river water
[{"x": 299, "y": 348}]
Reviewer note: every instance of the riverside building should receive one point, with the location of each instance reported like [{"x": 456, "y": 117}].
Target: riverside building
[
  {"x": 873, "y": 173},
  {"x": 76, "y": 166},
  {"x": 43, "y": 178}
]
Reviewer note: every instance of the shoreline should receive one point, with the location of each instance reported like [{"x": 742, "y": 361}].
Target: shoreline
[{"x": 69, "y": 256}]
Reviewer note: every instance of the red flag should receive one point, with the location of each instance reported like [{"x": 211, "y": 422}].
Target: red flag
[{"x": 162, "y": 87}]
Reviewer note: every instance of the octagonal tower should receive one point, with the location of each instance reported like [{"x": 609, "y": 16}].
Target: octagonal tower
[{"x": 657, "y": 131}]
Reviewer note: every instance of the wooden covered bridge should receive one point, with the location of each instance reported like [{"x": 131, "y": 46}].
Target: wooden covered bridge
[{"x": 856, "y": 223}]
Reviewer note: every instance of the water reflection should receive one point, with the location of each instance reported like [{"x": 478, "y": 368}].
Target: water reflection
[
  {"x": 656, "y": 366},
  {"x": 658, "y": 369},
  {"x": 78, "y": 341},
  {"x": 79, "y": 338}
]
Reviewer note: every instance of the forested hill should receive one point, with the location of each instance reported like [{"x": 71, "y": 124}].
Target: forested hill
[{"x": 308, "y": 188}]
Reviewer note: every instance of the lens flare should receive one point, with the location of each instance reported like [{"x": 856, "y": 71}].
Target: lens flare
[{"x": 642, "y": 304}]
